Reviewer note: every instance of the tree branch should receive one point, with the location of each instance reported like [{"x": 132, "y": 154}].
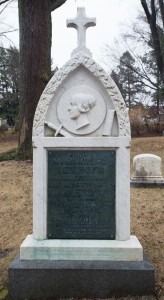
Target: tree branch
[
  {"x": 9, "y": 50},
  {"x": 153, "y": 15},
  {"x": 146, "y": 9},
  {"x": 12, "y": 66},
  {"x": 9, "y": 26},
  {"x": 8, "y": 31},
  {"x": 152, "y": 86},
  {"x": 142, "y": 74},
  {"x": 4, "y": 1},
  {"x": 161, "y": 5},
  {"x": 54, "y": 4},
  {"x": 155, "y": 35},
  {"x": 9, "y": 40},
  {"x": 8, "y": 2}
]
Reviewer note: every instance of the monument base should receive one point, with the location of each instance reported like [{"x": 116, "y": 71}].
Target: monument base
[
  {"x": 146, "y": 184},
  {"x": 79, "y": 279},
  {"x": 108, "y": 250}
]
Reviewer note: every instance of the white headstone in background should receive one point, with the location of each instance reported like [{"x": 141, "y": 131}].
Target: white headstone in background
[{"x": 147, "y": 168}]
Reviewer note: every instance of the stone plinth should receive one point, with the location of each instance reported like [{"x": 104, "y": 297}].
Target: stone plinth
[
  {"x": 111, "y": 250},
  {"x": 147, "y": 170},
  {"x": 41, "y": 280}
]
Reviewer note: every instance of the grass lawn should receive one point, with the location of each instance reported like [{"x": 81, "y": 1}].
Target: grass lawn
[{"x": 147, "y": 210}]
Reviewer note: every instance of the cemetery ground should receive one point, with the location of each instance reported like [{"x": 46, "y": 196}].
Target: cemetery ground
[{"x": 147, "y": 211}]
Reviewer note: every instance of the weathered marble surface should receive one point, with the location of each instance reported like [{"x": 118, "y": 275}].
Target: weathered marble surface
[
  {"x": 130, "y": 250},
  {"x": 122, "y": 147},
  {"x": 83, "y": 104},
  {"x": 148, "y": 168},
  {"x": 79, "y": 72},
  {"x": 81, "y": 23}
]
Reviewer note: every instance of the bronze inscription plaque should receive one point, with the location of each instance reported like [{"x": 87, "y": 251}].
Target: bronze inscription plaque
[{"x": 81, "y": 194}]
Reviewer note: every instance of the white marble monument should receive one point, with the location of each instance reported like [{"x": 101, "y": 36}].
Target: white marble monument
[
  {"x": 81, "y": 109},
  {"x": 147, "y": 168}
]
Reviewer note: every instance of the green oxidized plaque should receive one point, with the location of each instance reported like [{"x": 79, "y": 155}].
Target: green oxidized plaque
[{"x": 81, "y": 194}]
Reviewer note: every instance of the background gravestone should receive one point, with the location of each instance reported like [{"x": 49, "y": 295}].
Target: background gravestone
[{"x": 147, "y": 170}]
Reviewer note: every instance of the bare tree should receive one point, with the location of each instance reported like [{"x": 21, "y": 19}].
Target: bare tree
[
  {"x": 138, "y": 40},
  {"x": 111, "y": 54},
  {"x": 4, "y": 1},
  {"x": 151, "y": 9},
  {"x": 5, "y": 28}
]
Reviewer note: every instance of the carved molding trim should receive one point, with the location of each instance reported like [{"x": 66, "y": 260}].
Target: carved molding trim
[{"x": 100, "y": 74}]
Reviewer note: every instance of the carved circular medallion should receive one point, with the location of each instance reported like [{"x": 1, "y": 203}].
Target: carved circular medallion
[{"x": 81, "y": 110}]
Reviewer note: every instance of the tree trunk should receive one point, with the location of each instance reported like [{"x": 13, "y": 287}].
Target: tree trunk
[
  {"x": 35, "y": 64},
  {"x": 129, "y": 91},
  {"x": 151, "y": 15}
]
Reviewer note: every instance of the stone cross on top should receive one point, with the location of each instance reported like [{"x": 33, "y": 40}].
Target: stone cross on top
[{"x": 81, "y": 23}]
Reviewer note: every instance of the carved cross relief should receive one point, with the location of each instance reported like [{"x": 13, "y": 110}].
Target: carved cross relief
[{"x": 81, "y": 23}]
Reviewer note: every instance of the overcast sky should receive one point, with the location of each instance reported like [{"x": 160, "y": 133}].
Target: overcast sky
[{"x": 111, "y": 16}]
